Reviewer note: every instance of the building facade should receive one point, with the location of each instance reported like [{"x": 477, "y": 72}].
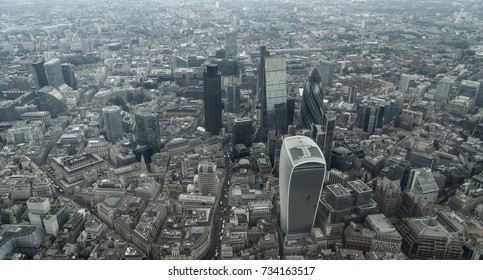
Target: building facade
[{"x": 302, "y": 173}]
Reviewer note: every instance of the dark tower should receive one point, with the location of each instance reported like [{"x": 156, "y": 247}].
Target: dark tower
[
  {"x": 212, "y": 99},
  {"x": 39, "y": 74}
]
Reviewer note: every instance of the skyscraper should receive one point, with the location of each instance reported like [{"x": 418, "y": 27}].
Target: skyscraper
[
  {"x": 302, "y": 173},
  {"x": 352, "y": 95},
  {"x": 471, "y": 89},
  {"x": 231, "y": 44},
  {"x": 112, "y": 123},
  {"x": 233, "y": 98},
  {"x": 242, "y": 132},
  {"x": 404, "y": 82},
  {"x": 312, "y": 100},
  {"x": 323, "y": 135},
  {"x": 274, "y": 103},
  {"x": 146, "y": 129},
  {"x": 39, "y": 75},
  {"x": 212, "y": 99},
  {"x": 444, "y": 90},
  {"x": 68, "y": 74},
  {"x": 326, "y": 72},
  {"x": 53, "y": 70}
]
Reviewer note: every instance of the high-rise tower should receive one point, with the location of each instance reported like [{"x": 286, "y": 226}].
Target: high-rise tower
[
  {"x": 147, "y": 129},
  {"x": 53, "y": 70},
  {"x": 302, "y": 172},
  {"x": 274, "y": 102},
  {"x": 327, "y": 72},
  {"x": 112, "y": 123},
  {"x": 212, "y": 99},
  {"x": 312, "y": 99},
  {"x": 39, "y": 74}
]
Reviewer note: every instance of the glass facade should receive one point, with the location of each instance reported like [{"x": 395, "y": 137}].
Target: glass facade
[
  {"x": 274, "y": 113},
  {"x": 312, "y": 100}
]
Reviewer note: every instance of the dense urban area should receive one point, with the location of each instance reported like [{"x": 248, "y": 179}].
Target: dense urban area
[{"x": 241, "y": 130}]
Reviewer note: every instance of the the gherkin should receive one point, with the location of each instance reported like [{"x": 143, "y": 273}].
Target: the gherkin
[{"x": 312, "y": 99}]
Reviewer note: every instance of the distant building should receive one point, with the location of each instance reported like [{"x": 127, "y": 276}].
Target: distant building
[
  {"x": 113, "y": 123},
  {"x": 326, "y": 72},
  {"x": 233, "y": 98},
  {"x": 53, "y": 71},
  {"x": 443, "y": 90},
  {"x": 302, "y": 172},
  {"x": 39, "y": 74},
  {"x": 52, "y": 100},
  {"x": 68, "y": 75},
  {"x": 404, "y": 82}
]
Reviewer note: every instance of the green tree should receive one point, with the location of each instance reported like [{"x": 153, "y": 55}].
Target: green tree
[{"x": 119, "y": 101}]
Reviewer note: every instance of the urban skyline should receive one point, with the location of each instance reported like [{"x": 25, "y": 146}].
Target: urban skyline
[{"x": 241, "y": 130}]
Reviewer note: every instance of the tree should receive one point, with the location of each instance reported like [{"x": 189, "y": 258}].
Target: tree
[{"x": 119, "y": 101}]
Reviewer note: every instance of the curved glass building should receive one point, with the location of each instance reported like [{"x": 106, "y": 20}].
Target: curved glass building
[
  {"x": 52, "y": 100},
  {"x": 25, "y": 239},
  {"x": 312, "y": 99},
  {"x": 302, "y": 172}
]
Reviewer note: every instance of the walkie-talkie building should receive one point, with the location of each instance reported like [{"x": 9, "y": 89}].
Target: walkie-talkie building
[{"x": 302, "y": 172}]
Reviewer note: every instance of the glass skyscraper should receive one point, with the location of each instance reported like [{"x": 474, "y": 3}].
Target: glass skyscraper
[
  {"x": 302, "y": 173},
  {"x": 274, "y": 102},
  {"x": 112, "y": 123},
  {"x": 147, "y": 129},
  {"x": 312, "y": 99}
]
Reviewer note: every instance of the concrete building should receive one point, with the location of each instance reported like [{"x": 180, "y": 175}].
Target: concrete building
[
  {"x": 302, "y": 173},
  {"x": 208, "y": 178},
  {"x": 425, "y": 238},
  {"x": 385, "y": 238}
]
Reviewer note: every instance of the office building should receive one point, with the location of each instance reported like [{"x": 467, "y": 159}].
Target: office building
[
  {"x": 68, "y": 74},
  {"x": 421, "y": 193},
  {"x": 113, "y": 123},
  {"x": 341, "y": 158},
  {"x": 426, "y": 239},
  {"x": 339, "y": 205},
  {"x": 272, "y": 94},
  {"x": 52, "y": 100},
  {"x": 231, "y": 44},
  {"x": 146, "y": 129},
  {"x": 53, "y": 71},
  {"x": 374, "y": 165},
  {"x": 302, "y": 173},
  {"x": 404, "y": 82},
  {"x": 242, "y": 132},
  {"x": 326, "y": 72},
  {"x": 323, "y": 135},
  {"x": 443, "y": 91},
  {"x": 388, "y": 196},
  {"x": 233, "y": 98},
  {"x": 212, "y": 99},
  {"x": 352, "y": 95},
  {"x": 312, "y": 100},
  {"x": 385, "y": 236},
  {"x": 39, "y": 75},
  {"x": 208, "y": 178},
  {"x": 469, "y": 89}
]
